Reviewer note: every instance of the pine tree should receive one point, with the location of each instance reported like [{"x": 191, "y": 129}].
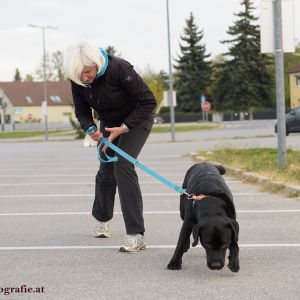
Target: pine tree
[
  {"x": 192, "y": 69},
  {"x": 17, "y": 76},
  {"x": 244, "y": 84},
  {"x": 112, "y": 51}
]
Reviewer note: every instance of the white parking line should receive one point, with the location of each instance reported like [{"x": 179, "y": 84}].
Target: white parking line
[
  {"x": 71, "y": 175},
  {"x": 77, "y": 169},
  {"x": 85, "y": 183},
  {"x": 41, "y": 164},
  {"x": 92, "y": 195},
  {"x": 145, "y": 212},
  {"x": 141, "y": 157},
  {"x": 148, "y": 247}
]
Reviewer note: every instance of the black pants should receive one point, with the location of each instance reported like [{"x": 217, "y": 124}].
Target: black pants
[{"x": 122, "y": 174}]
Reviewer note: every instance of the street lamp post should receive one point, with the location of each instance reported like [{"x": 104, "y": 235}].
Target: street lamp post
[
  {"x": 170, "y": 92},
  {"x": 280, "y": 101},
  {"x": 45, "y": 106}
]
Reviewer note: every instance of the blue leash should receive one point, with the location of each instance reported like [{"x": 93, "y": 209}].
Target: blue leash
[{"x": 134, "y": 161}]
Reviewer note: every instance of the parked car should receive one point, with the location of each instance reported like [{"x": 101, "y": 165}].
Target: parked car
[
  {"x": 158, "y": 120},
  {"x": 292, "y": 121}
]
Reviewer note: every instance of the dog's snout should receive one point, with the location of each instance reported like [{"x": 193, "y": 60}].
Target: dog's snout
[{"x": 215, "y": 265}]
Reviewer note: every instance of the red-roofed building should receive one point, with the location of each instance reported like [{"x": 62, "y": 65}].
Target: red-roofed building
[{"x": 21, "y": 102}]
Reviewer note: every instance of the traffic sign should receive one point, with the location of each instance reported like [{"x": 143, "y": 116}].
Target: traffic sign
[
  {"x": 202, "y": 98},
  {"x": 205, "y": 106}
]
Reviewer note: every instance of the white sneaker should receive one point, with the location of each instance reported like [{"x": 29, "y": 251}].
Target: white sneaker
[
  {"x": 134, "y": 243},
  {"x": 101, "y": 230}
]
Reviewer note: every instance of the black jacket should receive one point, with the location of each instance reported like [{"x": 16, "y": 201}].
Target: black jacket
[{"x": 119, "y": 96}]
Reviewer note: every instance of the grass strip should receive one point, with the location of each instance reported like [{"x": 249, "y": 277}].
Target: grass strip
[
  {"x": 184, "y": 128},
  {"x": 26, "y": 134},
  {"x": 261, "y": 161}
]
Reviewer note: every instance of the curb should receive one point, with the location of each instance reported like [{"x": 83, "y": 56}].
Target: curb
[{"x": 292, "y": 191}]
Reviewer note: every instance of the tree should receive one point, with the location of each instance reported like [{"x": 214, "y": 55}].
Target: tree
[
  {"x": 28, "y": 78},
  {"x": 57, "y": 66},
  {"x": 111, "y": 50},
  {"x": 49, "y": 69},
  {"x": 244, "y": 82},
  {"x": 165, "y": 79},
  {"x": 156, "y": 83},
  {"x": 17, "y": 76},
  {"x": 216, "y": 65},
  {"x": 192, "y": 75}
]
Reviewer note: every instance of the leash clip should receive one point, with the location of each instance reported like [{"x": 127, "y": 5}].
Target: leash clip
[{"x": 189, "y": 196}]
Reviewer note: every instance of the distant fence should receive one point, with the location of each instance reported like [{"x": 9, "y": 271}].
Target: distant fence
[
  {"x": 35, "y": 126},
  {"x": 219, "y": 117}
]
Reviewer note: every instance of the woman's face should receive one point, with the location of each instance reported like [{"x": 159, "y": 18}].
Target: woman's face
[{"x": 88, "y": 74}]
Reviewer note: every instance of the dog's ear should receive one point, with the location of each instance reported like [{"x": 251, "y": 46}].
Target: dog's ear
[
  {"x": 196, "y": 230},
  {"x": 234, "y": 225},
  {"x": 221, "y": 169}
]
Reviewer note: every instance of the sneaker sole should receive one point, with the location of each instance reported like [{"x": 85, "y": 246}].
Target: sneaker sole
[
  {"x": 122, "y": 249},
  {"x": 103, "y": 236}
]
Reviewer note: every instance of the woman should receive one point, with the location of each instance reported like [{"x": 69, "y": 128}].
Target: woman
[{"x": 125, "y": 106}]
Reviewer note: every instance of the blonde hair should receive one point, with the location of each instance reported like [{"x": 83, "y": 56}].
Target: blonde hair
[{"x": 80, "y": 55}]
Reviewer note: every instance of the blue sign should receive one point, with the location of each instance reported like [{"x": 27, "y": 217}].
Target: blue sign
[{"x": 202, "y": 98}]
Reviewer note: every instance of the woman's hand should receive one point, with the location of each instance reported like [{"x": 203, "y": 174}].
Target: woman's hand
[
  {"x": 97, "y": 135},
  {"x": 114, "y": 133}
]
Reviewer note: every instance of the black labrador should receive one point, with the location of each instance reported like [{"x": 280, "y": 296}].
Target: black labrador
[{"x": 211, "y": 217}]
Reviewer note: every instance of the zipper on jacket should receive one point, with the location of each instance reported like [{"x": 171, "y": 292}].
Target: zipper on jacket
[
  {"x": 90, "y": 91},
  {"x": 91, "y": 94}
]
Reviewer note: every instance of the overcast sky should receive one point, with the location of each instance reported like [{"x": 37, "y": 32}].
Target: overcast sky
[{"x": 136, "y": 28}]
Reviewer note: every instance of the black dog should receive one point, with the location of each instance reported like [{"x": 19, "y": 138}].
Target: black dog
[{"x": 211, "y": 217}]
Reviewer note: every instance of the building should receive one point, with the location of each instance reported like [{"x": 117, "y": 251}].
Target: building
[
  {"x": 22, "y": 102},
  {"x": 294, "y": 75}
]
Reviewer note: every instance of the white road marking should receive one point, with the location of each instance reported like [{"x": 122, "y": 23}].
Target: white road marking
[
  {"x": 73, "y": 175},
  {"x": 77, "y": 169},
  {"x": 142, "y": 157},
  {"x": 90, "y": 164},
  {"x": 148, "y": 247},
  {"x": 85, "y": 183},
  {"x": 145, "y": 212},
  {"x": 92, "y": 195}
]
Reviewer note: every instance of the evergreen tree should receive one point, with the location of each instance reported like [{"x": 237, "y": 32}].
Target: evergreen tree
[
  {"x": 112, "y": 51},
  {"x": 192, "y": 69},
  {"x": 17, "y": 76},
  {"x": 244, "y": 82}
]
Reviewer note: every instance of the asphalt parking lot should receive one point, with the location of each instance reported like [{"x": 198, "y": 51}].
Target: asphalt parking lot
[{"x": 46, "y": 195}]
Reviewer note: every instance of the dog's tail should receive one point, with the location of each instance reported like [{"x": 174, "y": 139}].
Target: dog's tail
[{"x": 221, "y": 169}]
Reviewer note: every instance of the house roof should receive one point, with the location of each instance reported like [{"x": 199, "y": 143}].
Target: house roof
[
  {"x": 32, "y": 93},
  {"x": 295, "y": 69}
]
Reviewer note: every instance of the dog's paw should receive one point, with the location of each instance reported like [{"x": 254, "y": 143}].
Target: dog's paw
[
  {"x": 174, "y": 265},
  {"x": 234, "y": 266}
]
